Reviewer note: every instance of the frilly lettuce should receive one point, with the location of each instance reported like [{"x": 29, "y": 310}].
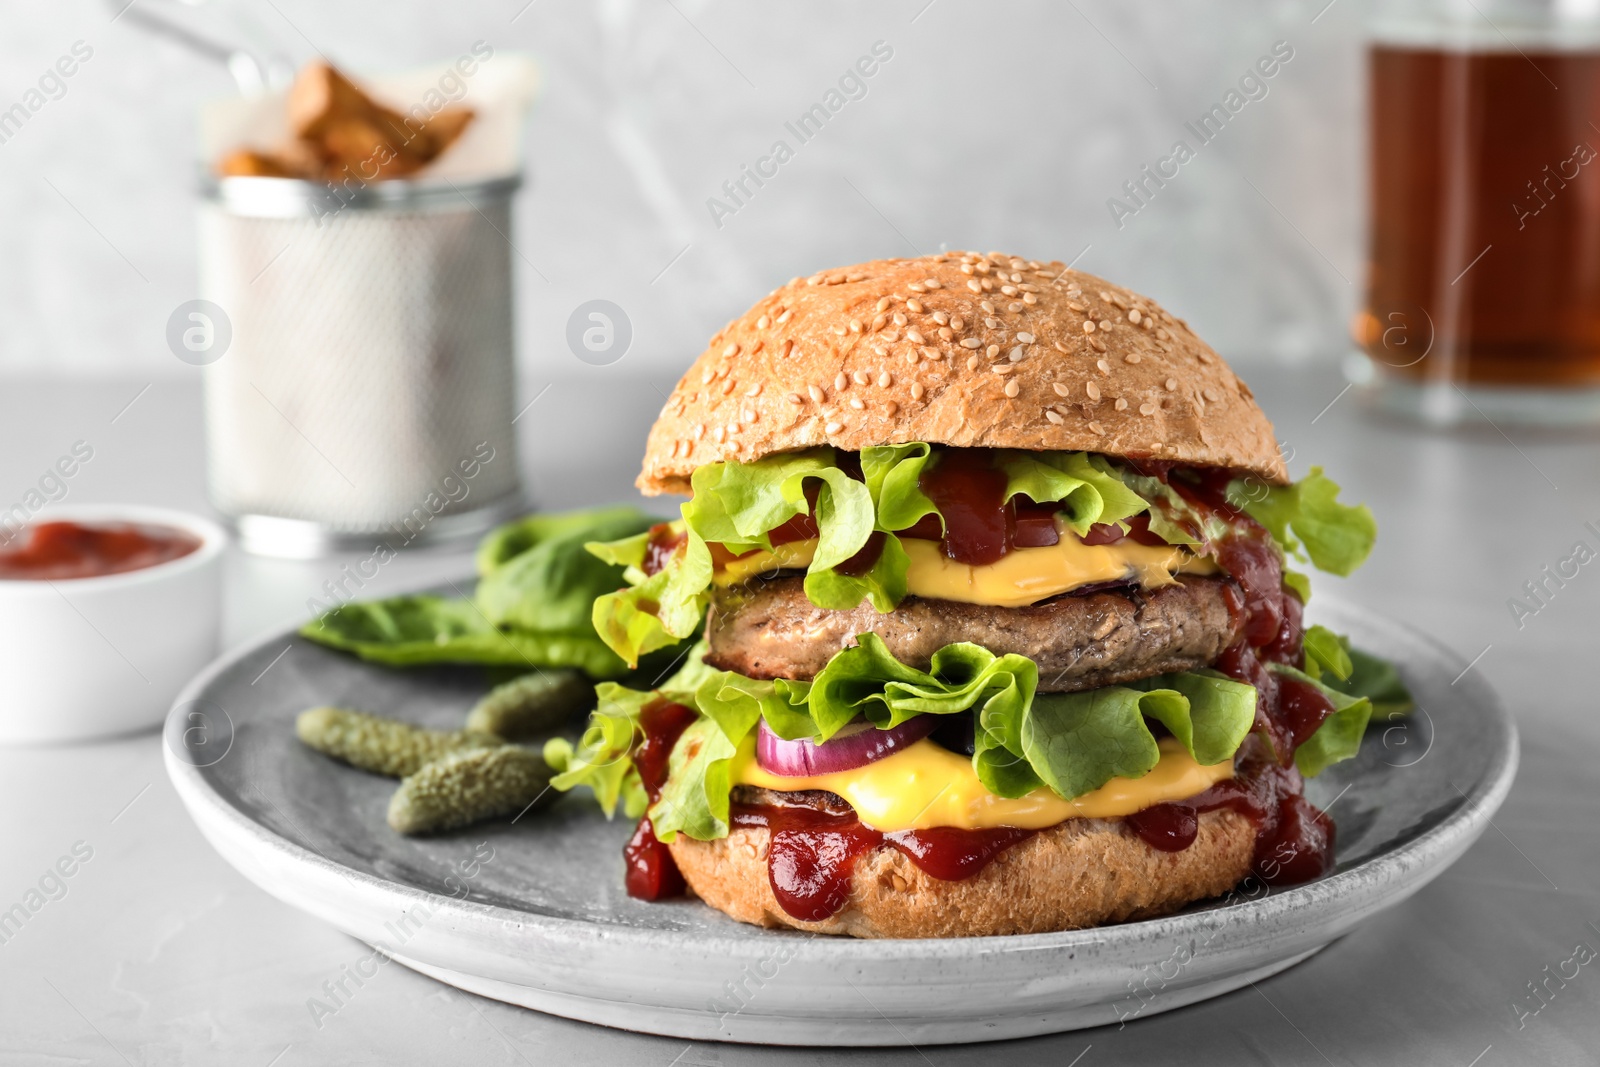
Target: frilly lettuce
[
  {"x": 1339, "y": 736},
  {"x": 1307, "y": 519},
  {"x": 1085, "y": 486}
]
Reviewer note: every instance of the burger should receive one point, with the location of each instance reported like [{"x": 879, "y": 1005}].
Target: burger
[{"x": 987, "y": 610}]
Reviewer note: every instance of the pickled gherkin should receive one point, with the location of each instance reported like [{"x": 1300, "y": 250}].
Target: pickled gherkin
[
  {"x": 382, "y": 746},
  {"x": 532, "y": 704},
  {"x": 469, "y": 786}
]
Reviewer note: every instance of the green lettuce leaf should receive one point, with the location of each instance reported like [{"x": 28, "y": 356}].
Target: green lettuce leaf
[
  {"x": 653, "y": 612},
  {"x": 602, "y": 758},
  {"x": 893, "y": 474},
  {"x": 408, "y": 631},
  {"x": 1339, "y": 736},
  {"x": 1076, "y": 742},
  {"x": 509, "y": 540},
  {"x": 551, "y": 584},
  {"x": 1308, "y": 520},
  {"x": 1087, "y": 491},
  {"x": 1327, "y": 653},
  {"x": 1378, "y": 681},
  {"x": 695, "y": 799}
]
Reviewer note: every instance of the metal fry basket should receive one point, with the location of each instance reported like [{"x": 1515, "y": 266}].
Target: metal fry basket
[{"x": 367, "y": 391}]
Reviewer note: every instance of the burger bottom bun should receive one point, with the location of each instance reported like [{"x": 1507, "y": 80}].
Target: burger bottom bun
[{"x": 1084, "y": 872}]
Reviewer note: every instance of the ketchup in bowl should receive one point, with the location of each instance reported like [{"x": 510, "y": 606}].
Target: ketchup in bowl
[{"x": 51, "y": 551}]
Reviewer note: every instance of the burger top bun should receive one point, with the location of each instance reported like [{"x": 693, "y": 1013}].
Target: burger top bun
[{"x": 958, "y": 349}]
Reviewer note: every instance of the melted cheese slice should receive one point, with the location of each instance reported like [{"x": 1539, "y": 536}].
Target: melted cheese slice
[
  {"x": 926, "y": 786},
  {"x": 1021, "y": 577}
]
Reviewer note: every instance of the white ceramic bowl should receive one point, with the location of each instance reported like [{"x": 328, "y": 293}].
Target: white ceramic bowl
[{"x": 92, "y": 657}]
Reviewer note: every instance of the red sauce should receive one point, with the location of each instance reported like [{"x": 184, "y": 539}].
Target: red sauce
[
  {"x": 51, "y": 551},
  {"x": 651, "y": 872},
  {"x": 812, "y": 854},
  {"x": 662, "y": 545},
  {"x": 1294, "y": 841},
  {"x": 980, "y": 524}
]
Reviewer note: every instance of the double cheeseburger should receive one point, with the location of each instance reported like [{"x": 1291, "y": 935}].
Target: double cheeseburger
[{"x": 984, "y": 614}]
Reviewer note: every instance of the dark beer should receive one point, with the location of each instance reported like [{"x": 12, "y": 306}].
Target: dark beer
[{"x": 1485, "y": 216}]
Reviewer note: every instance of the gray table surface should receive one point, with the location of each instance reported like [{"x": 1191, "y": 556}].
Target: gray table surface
[{"x": 161, "y": 953}]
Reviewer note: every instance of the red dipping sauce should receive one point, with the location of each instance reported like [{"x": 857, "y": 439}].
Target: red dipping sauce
[{"x": 53, "y": 551}]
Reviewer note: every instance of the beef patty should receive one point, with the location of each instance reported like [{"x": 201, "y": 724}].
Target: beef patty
[{"x": 768, "y": 629}]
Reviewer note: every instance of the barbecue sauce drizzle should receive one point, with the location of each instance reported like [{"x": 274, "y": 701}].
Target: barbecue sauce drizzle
[{"x": 812, "y": 852}]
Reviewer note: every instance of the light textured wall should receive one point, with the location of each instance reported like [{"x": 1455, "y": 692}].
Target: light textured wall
[{"x": 994, "y": 125}]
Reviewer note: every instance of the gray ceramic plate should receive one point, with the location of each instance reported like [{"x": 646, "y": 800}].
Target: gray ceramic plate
[{"x": 535, "y": 914}]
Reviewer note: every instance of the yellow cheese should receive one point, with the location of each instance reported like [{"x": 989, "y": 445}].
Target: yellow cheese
[
  {"x": 926, "y": 785},
  {"x": 1021, "y": 577}
]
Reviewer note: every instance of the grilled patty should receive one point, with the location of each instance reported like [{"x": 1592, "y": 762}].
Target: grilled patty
[{"x": 768, "y": 629}]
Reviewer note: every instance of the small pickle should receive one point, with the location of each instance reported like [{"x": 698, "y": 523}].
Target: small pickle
[
  {"x": 379, "y": 745},
  {"x": 532, "y": 704},
  {"x": 467, "y": 787}
]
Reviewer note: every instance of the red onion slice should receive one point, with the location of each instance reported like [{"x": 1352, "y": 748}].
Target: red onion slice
[{"x": 857, "y": 745}]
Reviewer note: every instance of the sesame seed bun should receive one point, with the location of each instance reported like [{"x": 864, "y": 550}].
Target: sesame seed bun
[
  {"x": 1082, "y": 873},
  {"x": 958, "y": 349}
]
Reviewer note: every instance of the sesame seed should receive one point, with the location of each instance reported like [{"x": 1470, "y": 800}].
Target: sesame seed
[
  {"x": 917, "y": 390},
  {"x": 1134, "y": 316},
  {"x": 1003, "y": 368},
  {"x": 1063, "y": 348},
  {"x": 987, "y": 284},
  {"x": 1121, "y": 404},
  {"x": 731, "y": 350},
  {"x": 892, "y": 336},
  {"x": 933, "y": 283},
  {"x": 1029, "y": 298},
  {"x": 1161, "y": 333},
  {"x": 706, "y": 376},
  {"x": 754, "y": 390},
  {"x": 727, "y": 386},
  {"x": 941, "y": 318},
  {"x": 785, "y": 317},
  {"x": 1105, "y": 296},
  {"x": 914, "y": 336},
  {"x": 1133, "y": 357},
  {"x": 1092, "y": 390},
  {"x": 855, "y": 277},
  {"x": 972, "y": 362},
  {"x": 763, "y": 322},
  {"x": 1205, "y": 357},
  {"x": 1147, "y": 408},
  {"x": 915, "y": 288},
  {"x": 1026, "y": 288},
  {"x": 882, "y": 305},
  {"x": 1008, "y": 290},
  {"x": 891, "y": 409},
  {"x": 817, "y": 395},
  {"x": 1211, "y": 394},
  {"x": 855, "y": 325},
  {"x": 946, "y": 333},
  {"x": 1105, "y": 324},
  {"x": 720, "y": 434},
  {"x": 833, "y": 427},
  {"x": 796, "y": 398},
  {"x": 1053, "y": 417},
  {"x": 1105, "y": 368},
  {"x": 748, "y": 415},
  {"x": 842, "y": 382},
  {"x": 914, "y": 306},
  {"x": 1097, "y": 428},
  {"x": 1171, "y": 384},
  {"x": 1097, "y": 344},
  {"x": 975, "y": 285},
  {"x": 856, "y": 403},
  {"x": 885, "y": 380},
  {"x": 785, "y": 348},
  {"x": 1088, "y": 326},
  {"x": 733, "y": 429},
  {"x": 986, "y": 306},
  {"x": 1013, "y": 387},
  {"x": 1025, "y": 338},
  {"x": 966, "y": 268},
  {"x": 899, "y": 318},
  {"x": 878, "y": 322},
  {"x": 970, "y": 342},
  {"x": 1061, "y": 389},
  {"x": 1015, "y": 354},
  {"x": 861, "y": 377},
  {"x": 992, "y": 351}
]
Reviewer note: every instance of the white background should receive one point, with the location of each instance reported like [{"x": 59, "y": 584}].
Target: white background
[{"x": 995, "y": 126}]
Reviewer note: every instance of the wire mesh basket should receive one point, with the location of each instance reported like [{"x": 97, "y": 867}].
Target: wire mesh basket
[{"x": 367, "y": 390}]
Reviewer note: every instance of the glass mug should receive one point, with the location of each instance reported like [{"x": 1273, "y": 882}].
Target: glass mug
[{"x": 1483, "y": 283}]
